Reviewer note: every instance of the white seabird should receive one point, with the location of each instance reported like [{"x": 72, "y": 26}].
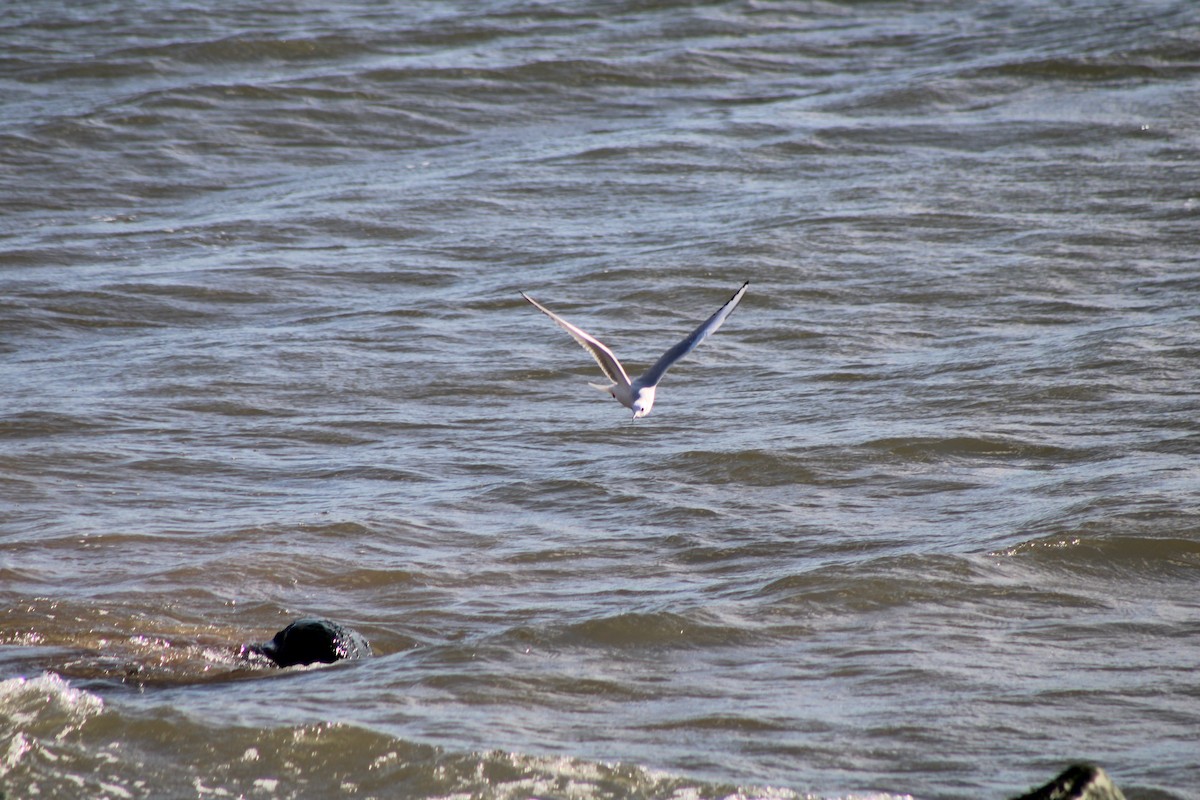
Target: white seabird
[{"x": 639, "y": 394}]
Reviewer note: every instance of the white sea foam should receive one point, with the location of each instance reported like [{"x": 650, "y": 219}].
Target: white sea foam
[{"x": 41, "y": 709}]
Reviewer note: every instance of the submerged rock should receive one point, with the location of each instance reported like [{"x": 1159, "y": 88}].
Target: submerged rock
[
  {"x": 1077, "y": 782},
  {"x": 311, "y": 641}
]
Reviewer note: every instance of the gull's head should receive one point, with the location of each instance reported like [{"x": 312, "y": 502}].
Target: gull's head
[{"x": 643, "y": 401}]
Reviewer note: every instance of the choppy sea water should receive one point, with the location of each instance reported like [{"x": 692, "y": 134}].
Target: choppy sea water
[{"x": 922, "y": 518}]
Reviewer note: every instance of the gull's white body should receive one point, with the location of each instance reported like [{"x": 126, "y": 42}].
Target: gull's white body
[{"x": 638, "y": 394}]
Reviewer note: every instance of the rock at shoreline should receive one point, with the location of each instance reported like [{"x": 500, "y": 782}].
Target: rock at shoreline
[{"x": 1077, "y": 782}]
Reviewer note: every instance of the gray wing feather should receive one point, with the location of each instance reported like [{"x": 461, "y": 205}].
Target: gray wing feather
[
  {"x": 604, "y": 357},
  {"x": 653, "y": 375}
]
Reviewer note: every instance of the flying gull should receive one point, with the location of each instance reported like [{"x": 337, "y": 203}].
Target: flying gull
[{"x": 638, "y": 394}]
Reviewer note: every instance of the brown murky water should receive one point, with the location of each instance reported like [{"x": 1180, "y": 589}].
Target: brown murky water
[{"x": 921, "y": 518}]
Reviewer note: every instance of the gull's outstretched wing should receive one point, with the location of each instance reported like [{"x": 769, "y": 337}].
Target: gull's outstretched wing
[
  {"x": 604, "y": 357},
  {"x": 653, "y": 375}
]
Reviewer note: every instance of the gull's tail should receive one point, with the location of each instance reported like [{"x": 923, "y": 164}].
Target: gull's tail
[{"x": 606, "y": 388}]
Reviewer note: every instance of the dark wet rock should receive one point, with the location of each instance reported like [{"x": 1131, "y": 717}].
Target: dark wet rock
[
  {"x": 311, "y": 641},
  {"x": 1077, "y": 782}
]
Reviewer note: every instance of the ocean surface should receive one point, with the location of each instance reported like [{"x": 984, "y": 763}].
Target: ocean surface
[{"x": 922, "y": 519}]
